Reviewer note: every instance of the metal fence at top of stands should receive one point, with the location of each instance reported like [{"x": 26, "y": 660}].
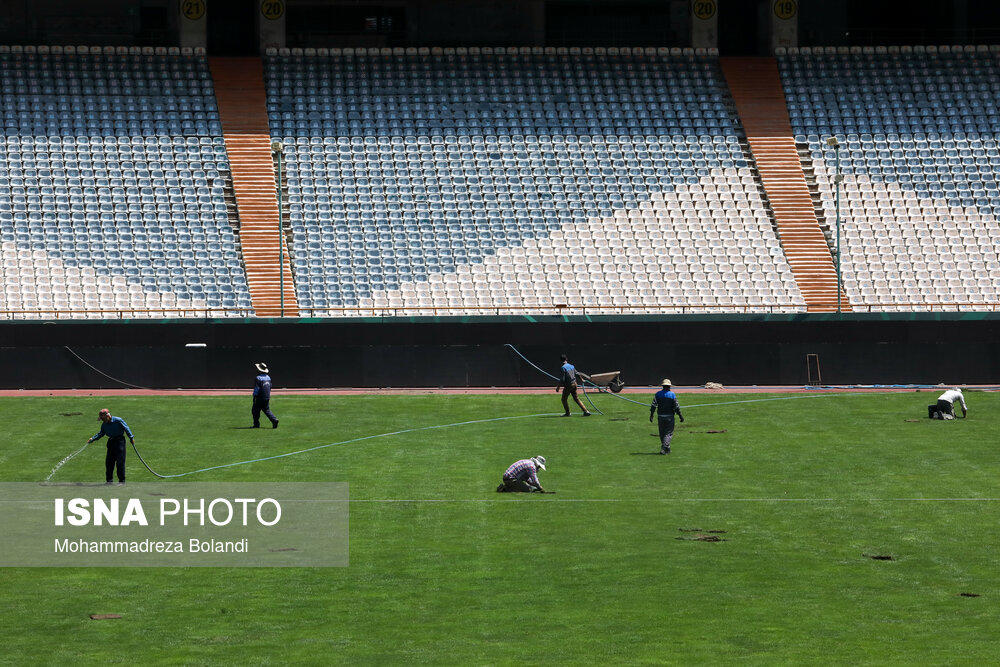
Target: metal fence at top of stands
[{"x": 555, "y": 309}]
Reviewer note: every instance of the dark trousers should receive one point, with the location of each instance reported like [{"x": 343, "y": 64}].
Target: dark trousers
[
  {"x": 570, "y": 390},
  {"x": 262, "y": 405},
  {"x": 508, "y": 485},
  {"x": 115, "y": 458},
  {"x": 940, "y": 409},
  {"x": 666, "y": 431}
]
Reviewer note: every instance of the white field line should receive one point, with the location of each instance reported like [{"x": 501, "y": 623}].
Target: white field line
[
  {"x": 533, "y": 498},
  {"x": 663, "y": 500},
  {"x": 421, "y": 428}
]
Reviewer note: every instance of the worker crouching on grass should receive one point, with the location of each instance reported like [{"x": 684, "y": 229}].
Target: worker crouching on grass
[
  {"x": 666, "y": 406},
  {"x": 116, "y": 429},
  {"x": 522, "y": 477},
  {"x": 945, "y": 406}
]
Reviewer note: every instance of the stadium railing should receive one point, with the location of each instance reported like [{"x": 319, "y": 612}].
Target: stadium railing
[
  {"x": 122, "y": 313},
  {"x": 687, "y": 309},
  {"x": 557, "y": 309},
  {"x": 923, "y": 307},
  {"x": 396, "y": 311}
]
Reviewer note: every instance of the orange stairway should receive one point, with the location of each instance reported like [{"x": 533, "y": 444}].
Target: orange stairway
[
  {"x": 239, "y": 92},
  {"x": 760, "y": 101}
]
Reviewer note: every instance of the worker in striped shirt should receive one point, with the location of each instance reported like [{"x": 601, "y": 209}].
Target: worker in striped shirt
[{"x": 522, "y": 476}]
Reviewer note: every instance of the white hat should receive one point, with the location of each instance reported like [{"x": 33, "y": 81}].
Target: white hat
[
  {"x": 539, "y": 462},
  {"x": 262, "y": 367},
  {"x": 666, "y": 383}
]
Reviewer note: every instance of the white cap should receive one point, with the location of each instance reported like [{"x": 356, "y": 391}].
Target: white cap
[
  {"x": 666, "y": 383},
  {"x": 262, "y": 367},
  {"x": 539, "y": 462}
]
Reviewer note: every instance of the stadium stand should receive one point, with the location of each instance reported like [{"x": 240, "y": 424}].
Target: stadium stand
[
  {"x": 519, "y": 179},
  {"x": 112, "y": 186},
  {"x": 920, "y": 199}
]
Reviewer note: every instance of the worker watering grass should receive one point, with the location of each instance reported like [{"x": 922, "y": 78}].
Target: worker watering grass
[{"x": 115, "y": 429}]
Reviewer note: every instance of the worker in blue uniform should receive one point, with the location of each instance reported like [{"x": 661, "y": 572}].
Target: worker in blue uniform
[
  {"x": 568, "y": 386},
  {"x": 665, "y": 406},
  {"x": 115, "y": 429},
  {"x": 262, "y": 396}
]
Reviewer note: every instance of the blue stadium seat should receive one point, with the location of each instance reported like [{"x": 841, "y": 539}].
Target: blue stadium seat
[{"x": 101, "y": 191}]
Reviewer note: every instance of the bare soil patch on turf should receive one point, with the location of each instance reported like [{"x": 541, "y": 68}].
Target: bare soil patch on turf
[
  {"x": 701, "y": 538},
  {"x": 701, "y": 535},
  {"x": 699, "y": 530}
]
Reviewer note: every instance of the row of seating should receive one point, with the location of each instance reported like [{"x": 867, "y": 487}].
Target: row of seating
[
  {"x": 388, "y": 53},
  {"x": 494, "y": 178},
  {"x": 920, "y": 201},
  {"x": 112, "y": 185},
  {"x": 472, "y": 217}
]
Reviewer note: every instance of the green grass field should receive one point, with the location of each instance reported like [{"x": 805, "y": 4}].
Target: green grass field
[{"x": 597, "y": 573}]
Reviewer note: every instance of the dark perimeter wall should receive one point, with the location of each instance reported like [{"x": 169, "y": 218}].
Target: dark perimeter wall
[{"x": 431, "y": 352}]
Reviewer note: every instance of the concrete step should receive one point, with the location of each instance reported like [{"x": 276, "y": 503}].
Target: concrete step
[
  {"x": 755, "y": 84},
  {"x": 241, "y": 98}
]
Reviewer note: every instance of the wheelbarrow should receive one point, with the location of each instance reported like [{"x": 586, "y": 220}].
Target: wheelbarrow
[{"x": 612, "y": 380}]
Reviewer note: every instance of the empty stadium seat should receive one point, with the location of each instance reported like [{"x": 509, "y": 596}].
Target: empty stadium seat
[
  {"x": 503, "y": 180},
  {"x": 112, "y": 175},
  {"x": 919, "y": 154}
]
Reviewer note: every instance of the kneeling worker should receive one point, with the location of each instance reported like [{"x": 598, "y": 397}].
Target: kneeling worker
[
  {"x": 116, "y": 429},
  {"x": 522, "y": 476},
  {"x": 665, "y": 405},
  {"x": 945, "y": 406}
]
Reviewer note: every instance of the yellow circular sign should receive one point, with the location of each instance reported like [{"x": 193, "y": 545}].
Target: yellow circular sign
[
  {"x": 703, "y": 9},
  {"x": 785, "y": 9},
  {"x": 193, "y": 9},
  {"x": 272, "y": 10}
]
